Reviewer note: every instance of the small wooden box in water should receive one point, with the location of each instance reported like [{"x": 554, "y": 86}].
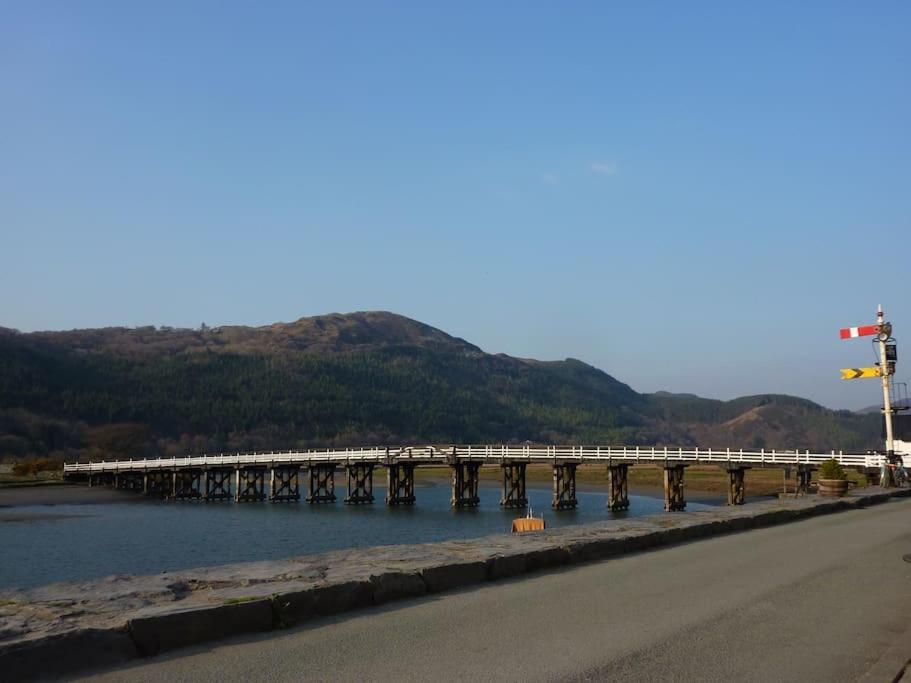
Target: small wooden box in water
[{"x": 527, "y": 524}]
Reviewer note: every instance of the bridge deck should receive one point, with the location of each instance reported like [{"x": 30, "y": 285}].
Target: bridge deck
[{"x": 487, "y": 454}]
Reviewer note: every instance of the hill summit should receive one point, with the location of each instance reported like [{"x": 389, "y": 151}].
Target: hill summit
[{"x": 360, "y": 331}]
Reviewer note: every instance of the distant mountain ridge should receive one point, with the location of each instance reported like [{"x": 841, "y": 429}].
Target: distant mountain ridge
[{"x": 346, "y": 379}]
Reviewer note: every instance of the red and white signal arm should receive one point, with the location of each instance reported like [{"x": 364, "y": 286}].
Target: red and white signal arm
[{"x": 861, "y": 331}]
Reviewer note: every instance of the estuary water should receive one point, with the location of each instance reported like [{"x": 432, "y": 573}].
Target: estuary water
[{"x": 44, "y": 544}]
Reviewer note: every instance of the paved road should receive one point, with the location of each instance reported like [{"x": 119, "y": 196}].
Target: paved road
[{"x": 817, "y": 600}]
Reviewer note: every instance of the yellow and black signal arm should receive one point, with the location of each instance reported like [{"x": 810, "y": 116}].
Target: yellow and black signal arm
[{"x": 860, "y": 373}]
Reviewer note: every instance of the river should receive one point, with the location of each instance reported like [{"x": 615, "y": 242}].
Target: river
[{"x": 132, "y": 534}]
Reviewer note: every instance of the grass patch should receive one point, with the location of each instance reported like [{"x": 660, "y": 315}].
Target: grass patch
[{"x": 238, "y": 601}]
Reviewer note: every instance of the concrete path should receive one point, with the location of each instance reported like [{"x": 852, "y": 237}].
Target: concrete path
[{"x": 819, "y": 600}]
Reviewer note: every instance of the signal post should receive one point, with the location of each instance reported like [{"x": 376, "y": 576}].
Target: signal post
[{"x": 884, "y": 369}]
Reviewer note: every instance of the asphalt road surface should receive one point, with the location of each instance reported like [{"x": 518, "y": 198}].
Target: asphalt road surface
[{"x": 817, "y": 600}]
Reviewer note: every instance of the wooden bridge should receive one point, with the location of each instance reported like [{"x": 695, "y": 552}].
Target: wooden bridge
[{"x": 243, "y": 477}]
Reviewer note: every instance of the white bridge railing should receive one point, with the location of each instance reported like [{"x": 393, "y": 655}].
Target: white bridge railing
[{"x": 492, "y": 454}]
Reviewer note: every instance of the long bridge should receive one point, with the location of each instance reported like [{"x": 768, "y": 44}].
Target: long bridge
[{"x": 244, "y": 477}]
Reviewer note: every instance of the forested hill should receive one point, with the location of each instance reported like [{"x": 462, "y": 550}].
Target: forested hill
[{"x": 351, "y": 379}]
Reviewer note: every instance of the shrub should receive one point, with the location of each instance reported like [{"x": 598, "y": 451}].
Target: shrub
[
  {"x": 21, "y": 469},
  {"x": 33, "y": 467},
  {"x": 832, "y": 469}
]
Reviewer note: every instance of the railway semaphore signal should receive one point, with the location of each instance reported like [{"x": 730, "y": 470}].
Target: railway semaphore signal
[{"x": 888, "y": 356}]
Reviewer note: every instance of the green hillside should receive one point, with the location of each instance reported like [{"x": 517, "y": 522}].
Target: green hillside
[{"x": 350, "y": 379}]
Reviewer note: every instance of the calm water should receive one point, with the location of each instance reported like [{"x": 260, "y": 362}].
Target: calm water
[{"x": 144, "y": 536}]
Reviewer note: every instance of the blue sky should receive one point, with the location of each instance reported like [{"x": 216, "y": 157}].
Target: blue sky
[{"x": 690, "y": 196}]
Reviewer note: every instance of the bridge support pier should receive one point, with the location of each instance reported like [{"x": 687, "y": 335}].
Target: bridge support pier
[
  {"x": 618, "y": 491},
  {"x": 465, "y": 484},
  {"x": 804, "y": 476},
  {"x": 284, "y": 484},
  {"x": 400, "y": 484},
  {"x": 872, "y": 475},
  {"x": 360, "y": 484},
  {"x": 218, "y": 483},
  {"x": 187, "y": 485},
  {"x": 514, "y": 486},
  {"x": 674, "y": 498},
  {"x": 564, "y": 486},
  {"x": 128, "y": 481},
  {"x": 322, "y": 483},
  {"x": 736, "y": 486},
  {"x": 102, "y": 479},
  {"x": 158, "y": 483},
  {"x": 250, "y": 485}
]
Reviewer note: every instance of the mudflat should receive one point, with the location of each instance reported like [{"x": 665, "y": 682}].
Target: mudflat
[
  {"x": 435, "y": 477},
  {"x": 61, "y": 494},
  {"x": 77, "y": 494}
]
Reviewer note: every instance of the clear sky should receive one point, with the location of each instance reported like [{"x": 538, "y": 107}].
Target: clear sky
[{"x": 691, "y": 196}]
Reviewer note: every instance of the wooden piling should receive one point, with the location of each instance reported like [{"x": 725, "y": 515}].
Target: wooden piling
[
  {"x": 514, "y": 495},
  {"x": 218, "y": 483},
  {"x": 618, "y": 489},
  {"x": 187, "y": 484},
  {"x": 564, "y": 497},
  {"x": 284, "y": 484},
  {"x": 674, "y": 497},
  {"x": 251, "y": 484},
  {"x": 360, "y": 484},
  {"x": 804, "y": 476},
  {"x": 736, "y": 485},
  {"x": 400, "y": 484},
  {"x": 159, "y": 483},
  {"x": 465, "y": 484},
  {"x": 322, "y": 483}
]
